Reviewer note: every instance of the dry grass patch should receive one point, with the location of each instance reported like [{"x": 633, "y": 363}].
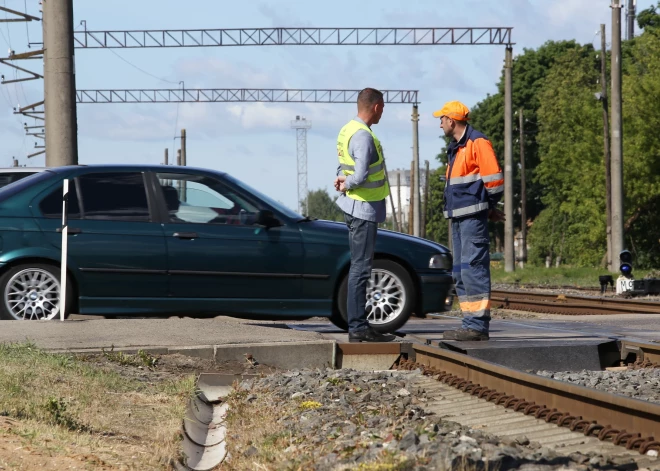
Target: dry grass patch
[{"x": 65, "y": 407}]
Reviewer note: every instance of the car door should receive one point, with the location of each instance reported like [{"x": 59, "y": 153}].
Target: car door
[
  {"x": 113, "y": 239},
  {"x": 216, "y": 248}
]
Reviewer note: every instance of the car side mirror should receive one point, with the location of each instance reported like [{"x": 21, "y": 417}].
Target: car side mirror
[{"x": 267, "y": 219}]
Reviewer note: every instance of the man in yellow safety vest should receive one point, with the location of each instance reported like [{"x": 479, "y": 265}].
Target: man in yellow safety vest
[{"x": 363, "y": 186}]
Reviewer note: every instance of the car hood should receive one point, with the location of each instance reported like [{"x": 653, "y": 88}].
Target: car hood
[{"x": 384, "y": 235}]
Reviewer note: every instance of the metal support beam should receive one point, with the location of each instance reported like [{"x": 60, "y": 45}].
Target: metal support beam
[
  {"x": 292, "y": 37},
  {"x": 231, "y": 95},
  {"x": 59, "y": 83},
  {"x": 509, "y": 253},
  {"x": 617, "y": 134},
  {"x": 23, "y": 17}
]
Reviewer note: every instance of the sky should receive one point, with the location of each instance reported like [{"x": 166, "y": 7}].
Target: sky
[{"x": 254, "y": 141}]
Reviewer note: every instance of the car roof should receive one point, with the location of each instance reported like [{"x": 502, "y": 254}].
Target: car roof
[
  {"x": 22, "y": 169},
  {"x": 138, "y": 167}
]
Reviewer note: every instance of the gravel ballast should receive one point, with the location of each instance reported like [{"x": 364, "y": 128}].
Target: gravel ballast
[
  {"x": 643, "y": 384},
  {"x": 346, "y": 419}
]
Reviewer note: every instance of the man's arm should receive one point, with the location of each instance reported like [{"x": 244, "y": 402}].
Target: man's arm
[
  {"x": 490, "y": 171},
  {"x": 363, "y": 150}
]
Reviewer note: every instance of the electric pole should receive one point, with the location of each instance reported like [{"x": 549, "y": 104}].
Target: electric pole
[
  {"x": 59, "y": 84},
  {"x": 606, "y": 145},
  {"x": 301, "y": 125},
  {"x": 184, "y": 163},
  {"x": 411, "y": 200},
  {"x": 167, "y": 156},
  {"x": 630, "y": 19},
  {"x": 523, "y": 192},
  {"x": 509, "y": 254},
  {"x": 617, "y": 134},
  {"x": 414, "y": 187},
  {"x": 425, "y": 213}
]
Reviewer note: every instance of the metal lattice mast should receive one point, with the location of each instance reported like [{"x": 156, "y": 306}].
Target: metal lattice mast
[{"x": 301, "y": 125}]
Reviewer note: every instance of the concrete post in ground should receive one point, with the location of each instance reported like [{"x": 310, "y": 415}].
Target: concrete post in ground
[
  {"x": 59, "y": 84},
  {"x": 617, "y": 134},
  {"x": 167, "y": 157},
  {"x": 414, "y": 187},
  {"x": 630, "y": 19},
  {"x": 606, "y": 144},
  {"x": 509, "y": 255},
  {"x": 398, "y": 193}
]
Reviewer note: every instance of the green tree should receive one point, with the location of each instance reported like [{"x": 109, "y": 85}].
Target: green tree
[
  {"x": 649, "y": 18},
  {"x": 322, "y": 206},
  {"x": 570, "y": 171},
  {"x": 437, "y": 228}
]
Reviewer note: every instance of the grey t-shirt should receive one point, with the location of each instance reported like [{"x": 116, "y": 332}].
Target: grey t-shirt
[{"x": 363, "y": 151}]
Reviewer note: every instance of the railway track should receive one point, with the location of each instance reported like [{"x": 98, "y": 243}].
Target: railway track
[
  {"x": 558, "y": 415},
  {"x": 569, "y": 304}
]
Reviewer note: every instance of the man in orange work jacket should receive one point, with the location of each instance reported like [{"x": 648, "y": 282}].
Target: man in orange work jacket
[{"x": 473, "y": 187}]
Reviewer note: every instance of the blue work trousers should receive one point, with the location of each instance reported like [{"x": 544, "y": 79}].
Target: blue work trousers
[
  {"x": 362, "y": 242},
  {"x": 471, "y": 271}
]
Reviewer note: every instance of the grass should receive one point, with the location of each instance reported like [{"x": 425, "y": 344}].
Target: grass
[
  {"x": 562, "y": 276},
  {"x": 66, "y": 407}
]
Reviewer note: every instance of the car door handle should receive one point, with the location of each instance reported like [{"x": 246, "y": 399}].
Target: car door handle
[
  {"x": 70, "y": 230},
  {"x": 185, "y": 235}
]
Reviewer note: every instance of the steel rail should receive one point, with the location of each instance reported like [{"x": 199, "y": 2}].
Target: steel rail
[
  {"x": 569, "y": 304},
  {"x": 624, "y": 421}
]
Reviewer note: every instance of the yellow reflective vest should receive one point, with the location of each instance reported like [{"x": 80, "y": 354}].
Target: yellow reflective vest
[{"x": 375, "y": 188}]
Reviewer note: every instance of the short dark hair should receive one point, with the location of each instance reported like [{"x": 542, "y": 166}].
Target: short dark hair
[{"x": 369, "y": 97}]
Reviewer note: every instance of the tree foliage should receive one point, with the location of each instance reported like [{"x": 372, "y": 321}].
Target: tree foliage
[{"x": 322, "y": 206}]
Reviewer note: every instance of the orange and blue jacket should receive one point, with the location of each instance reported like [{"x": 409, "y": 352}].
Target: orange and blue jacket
[{"x": 474, "y": 178}]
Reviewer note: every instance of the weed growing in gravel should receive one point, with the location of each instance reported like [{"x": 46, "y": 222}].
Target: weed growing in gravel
[{"x": 142, "y": 358}]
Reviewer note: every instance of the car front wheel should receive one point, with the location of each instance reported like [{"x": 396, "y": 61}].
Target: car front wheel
[
  {"x": 31, "y": 292},
  {"x": 390, "y": 298}
]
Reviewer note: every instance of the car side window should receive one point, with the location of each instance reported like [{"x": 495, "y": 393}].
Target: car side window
[
  {"x": 51, "y": 205},
  {"x": 118, "y": 196},
  {"x": 204, "y": 200}
]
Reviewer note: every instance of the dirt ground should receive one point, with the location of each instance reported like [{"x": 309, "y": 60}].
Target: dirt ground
[{"x": 18, "y": 450}]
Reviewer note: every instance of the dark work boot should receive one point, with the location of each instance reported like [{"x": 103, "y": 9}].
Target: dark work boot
[
  {"x": 464, "y": 335},
  {"x": 369, "y": 335}
]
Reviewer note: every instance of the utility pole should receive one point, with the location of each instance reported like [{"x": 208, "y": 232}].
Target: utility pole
[
  {"x": 398, "y": 192},
  {"x": 411, "y": 200},
  {"x": 630, "y": 19},
  {"x": 523, "y": 192},
  {"x": 509, "y": 254},
  {"x": 425, "y": 213},
  {"x": 167, "y": 156},
  {"x": 301, "y": 125},
  {"x": 59, "y": 84},
  {"x": 414, "y": 187},
  {"x": 617, "y": 134},
  {"x": 184, "y": 163},
  {"x": 606, "y": 145}
]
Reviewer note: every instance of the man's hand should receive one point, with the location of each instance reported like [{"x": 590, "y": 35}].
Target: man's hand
[
  {"x": 496, "y": 215},
  {"x": 339, "y": 183}
]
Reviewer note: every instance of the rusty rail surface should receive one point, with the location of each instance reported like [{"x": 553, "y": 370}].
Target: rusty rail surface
[
  {"x": 569, "y": 304},
  {"x": 624, "y": 421}
]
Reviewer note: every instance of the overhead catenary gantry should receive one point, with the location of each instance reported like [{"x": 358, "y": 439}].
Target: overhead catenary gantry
[{"x": 236, "y": 95}]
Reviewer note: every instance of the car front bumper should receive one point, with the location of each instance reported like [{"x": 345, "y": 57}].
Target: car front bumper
[{"x": 437, "y": 290}]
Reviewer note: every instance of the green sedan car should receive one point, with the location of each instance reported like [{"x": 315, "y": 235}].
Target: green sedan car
[{"x": 163, "y": 240}]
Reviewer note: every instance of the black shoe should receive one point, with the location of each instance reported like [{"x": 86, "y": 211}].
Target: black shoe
[
  {"x": 369, "y": 335},
  {"x": 464, "y": 335}
]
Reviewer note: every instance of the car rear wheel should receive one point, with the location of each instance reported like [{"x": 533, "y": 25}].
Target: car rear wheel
[
  {"x": 31, "y": 292},
  {"x": 390, "y": 298}
]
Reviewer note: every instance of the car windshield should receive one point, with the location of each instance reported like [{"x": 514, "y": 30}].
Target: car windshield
[
  {"x": 26, "y": 182},
  {"x": 267, "y": 199}
]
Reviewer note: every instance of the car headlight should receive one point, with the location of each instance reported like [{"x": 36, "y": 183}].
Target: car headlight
[{"x": 441, "y": 262}]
